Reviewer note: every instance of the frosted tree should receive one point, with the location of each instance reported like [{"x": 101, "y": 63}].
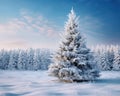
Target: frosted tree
[
  {"x": 104, "y": 55},
  {"x": 22, "y": 60},
  {"x": 37, "y": 60},
  {"x": 45, "y": 59},
  {"x": 73, "y": 61},
  {"x": 110, "y": 57},
  {"x": 4, "y": 59},
  {"x": 107, "y": 64},
  {"x": 102, "y": 59},
  {"x": 30, "y": 55},
  {"x": 1, "y": 59},
  {"x": 116, "y": 62},
  {"x": 13, "y": 60}
]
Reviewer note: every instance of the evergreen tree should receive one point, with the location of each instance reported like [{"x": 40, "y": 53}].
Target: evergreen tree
[
  {"x": 116, "y": 64},
  {"x": 13, "y": 60},
  {"x": 30, "y": 55},
  {"x": 110, "y": 57},
  {"x": 4, "y": 59},
  {"x": 1, "y": 59},
  {"x": 37, "y": 60},
  {"x": 45, "y": 59},
  {"x": 73, "y": 61},
  {"x": 104, "y": 55},
  {"x": 22, "y": 60}
]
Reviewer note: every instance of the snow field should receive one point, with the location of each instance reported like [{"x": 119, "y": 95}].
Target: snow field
[{"x": 38, "y": 83}]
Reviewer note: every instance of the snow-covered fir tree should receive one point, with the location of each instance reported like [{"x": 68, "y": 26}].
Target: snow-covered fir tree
[
  {"x": 4, "y": 59},
  {"x": 13, "y": 60},
  {"x": 104, "y": 59},
  {"x": 73, "y": 61},
  {"x": 22, "y": 60},
  {"x": 45, "y": 59},
  {"x": 116, "y": 62},
  {"x": 105, "y": 56},
  {"x": 106, "y": 64},
  {"x": 37, "y": 60},
  {"x": 1, "y": 59},
  {"x": 110, "y": 57},
  {"x": 30, "y": 60}
]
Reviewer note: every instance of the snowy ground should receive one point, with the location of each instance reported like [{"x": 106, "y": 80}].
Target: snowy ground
[{"x": 29, "y": 83}]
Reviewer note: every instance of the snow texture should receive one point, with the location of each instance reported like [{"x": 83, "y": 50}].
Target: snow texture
[{"x": 38, "y": 83}]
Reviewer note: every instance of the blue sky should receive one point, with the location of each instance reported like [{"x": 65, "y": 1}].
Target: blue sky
[{"x": 38, "y": 23}]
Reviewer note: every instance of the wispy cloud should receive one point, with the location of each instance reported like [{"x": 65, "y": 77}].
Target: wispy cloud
[
  {"x": 33, "y": 30},
  {"x": 30, "y": 28}
]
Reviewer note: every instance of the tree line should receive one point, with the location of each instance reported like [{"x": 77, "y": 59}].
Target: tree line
[
  {"x": 30, "y": 59},
  {"x": 107, "y": 57}
]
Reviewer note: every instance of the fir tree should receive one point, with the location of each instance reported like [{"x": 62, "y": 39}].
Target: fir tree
[
  {"x": 22, "y": 60},
  {"x": 30, "y": 60},
  {"x": 13, "y": 60},
  {"x": 45, "y": 59},
  {"x": 73, "y": 61},
  {"x": 116, "y": 64},
  {"x": 4, "y": 59},
  {"x": 37, "y": 60}
]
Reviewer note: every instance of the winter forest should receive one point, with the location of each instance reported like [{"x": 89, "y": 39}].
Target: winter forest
[
  {"x": 33, "y": 63},
  {"x": 106, "y": 57},
  {"x": 31, "y": 59}
]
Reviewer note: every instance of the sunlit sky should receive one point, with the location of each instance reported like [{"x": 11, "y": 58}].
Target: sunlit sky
[{"x": 38, "y": 23}]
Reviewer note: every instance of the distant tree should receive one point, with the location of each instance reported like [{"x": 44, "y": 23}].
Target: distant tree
[
  {"x": 4, "y": 59},
  {"x": 45, "y": 59},
  {"x": 37, "y": 60},
  {"x": 30, "y": 60},
  {"x": 73, "y": 61},
  {"x": 116, "y": 63},
  {"x": 104, "y": 55},
  {"x": 13, "y": 60},
  {"x": 22, "y": 60},
  {"x": 110, "y": 57}
]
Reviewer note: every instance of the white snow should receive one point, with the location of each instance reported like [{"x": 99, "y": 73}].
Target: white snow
[{"x": 38, "y": 83}]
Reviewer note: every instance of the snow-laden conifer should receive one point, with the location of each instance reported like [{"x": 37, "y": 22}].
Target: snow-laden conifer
[
  {"x": 73, "y": 61},
  {"x": 116, "y": 62},
  {"x": 13, "y": 60},
  {"x": 22, "y": 60}
]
